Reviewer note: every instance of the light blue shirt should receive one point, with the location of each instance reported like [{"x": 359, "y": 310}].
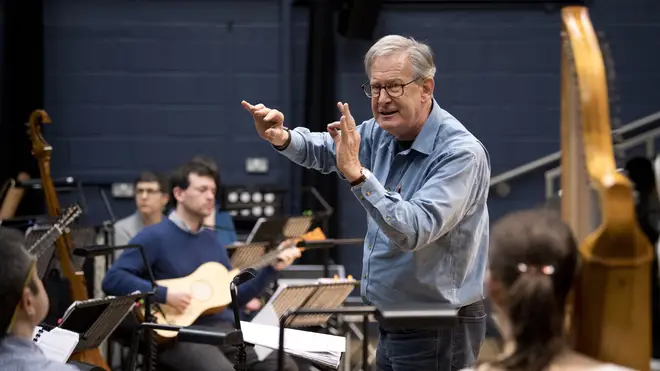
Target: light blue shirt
[
  {"x": 427, "y": 234},
  {"x": 17, "y": 354}
]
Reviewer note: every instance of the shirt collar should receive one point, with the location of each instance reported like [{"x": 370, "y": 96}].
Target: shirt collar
[
  {"x": 176, "y": 219},
  {"x": 425, "y": 140}
]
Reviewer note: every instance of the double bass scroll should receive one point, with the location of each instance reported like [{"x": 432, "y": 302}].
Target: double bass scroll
[{"x": 41, "y": 150}]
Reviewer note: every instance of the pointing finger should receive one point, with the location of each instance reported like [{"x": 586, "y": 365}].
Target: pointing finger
[{"x": 247, "y": 105}]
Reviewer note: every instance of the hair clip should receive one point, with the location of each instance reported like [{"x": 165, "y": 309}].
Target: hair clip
[{"x": 547, "y": 270}]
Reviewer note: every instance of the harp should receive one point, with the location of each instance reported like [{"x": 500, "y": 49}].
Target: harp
[{"x": 609, "y": 316}]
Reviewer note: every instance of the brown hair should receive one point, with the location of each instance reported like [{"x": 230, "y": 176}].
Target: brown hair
[{"x": 533, "y": 255}]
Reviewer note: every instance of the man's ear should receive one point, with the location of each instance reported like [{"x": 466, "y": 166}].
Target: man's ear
[
  {"x": 427, "y": 90},
  {"x": 178, "y": 193}
]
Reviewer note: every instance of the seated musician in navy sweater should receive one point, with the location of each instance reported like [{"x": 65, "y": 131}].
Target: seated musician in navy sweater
[{"x": 175, "y": 248}]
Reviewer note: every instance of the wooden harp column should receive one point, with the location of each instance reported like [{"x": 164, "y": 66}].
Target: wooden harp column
[{"x": 610, "y": 318}]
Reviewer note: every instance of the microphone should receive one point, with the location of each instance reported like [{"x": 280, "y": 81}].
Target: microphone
[
  {"x": 37, "y": 184},
  {"x": 244, "y": 276},
  {"x": 200, "y": 335},
  {"x": 92, "y": 251}
]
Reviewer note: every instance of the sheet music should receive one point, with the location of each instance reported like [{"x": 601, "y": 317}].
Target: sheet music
[
  {"x": 322, "y": 348},
  {"x": 57, "y": 344},
  {"x": 288, "y": 297}
]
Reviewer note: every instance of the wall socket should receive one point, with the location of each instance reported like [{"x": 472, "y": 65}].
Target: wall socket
[
  {"x": 123, "y": 190},
  {"x": 256, "y": 165}
]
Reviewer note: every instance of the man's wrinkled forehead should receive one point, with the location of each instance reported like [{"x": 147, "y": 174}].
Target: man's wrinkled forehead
[{"x": 391, "y": 68}]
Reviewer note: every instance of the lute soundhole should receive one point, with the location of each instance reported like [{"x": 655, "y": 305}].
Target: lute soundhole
[{"x": 201, "y": 291}]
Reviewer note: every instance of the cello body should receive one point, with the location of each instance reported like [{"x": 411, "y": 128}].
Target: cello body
[
  {"x": 41, "y": 150},
  {"x": 610, "y": 315}
]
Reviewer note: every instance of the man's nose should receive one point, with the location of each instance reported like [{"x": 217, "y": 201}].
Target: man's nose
[{"x": 383, "y": 97}]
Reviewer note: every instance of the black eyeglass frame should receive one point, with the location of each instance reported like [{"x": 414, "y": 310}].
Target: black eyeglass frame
[{"x": 366, "y": 88}]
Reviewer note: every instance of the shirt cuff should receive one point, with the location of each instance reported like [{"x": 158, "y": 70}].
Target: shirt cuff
[
  {"x": 161, "y": 294},
  {"x": 370, "y": 190},
  {"x": 294, "y": 146}
]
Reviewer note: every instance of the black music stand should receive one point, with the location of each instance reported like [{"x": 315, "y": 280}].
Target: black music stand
[
  {"x": 275, "y": 230},
  {"x": 245, "y": 255},
  {"x": 415, "y": 316},
  {"x": 104, "y": 250},
  {"x": 327, "y": 294},
  {"x": 96, "y": 319},
  {"x": 312, "y": 296}
]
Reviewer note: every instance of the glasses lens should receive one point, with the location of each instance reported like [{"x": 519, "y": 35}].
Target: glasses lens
[
  {"x": 367, "y": 90},
  {"x": 394, "y": 90}
]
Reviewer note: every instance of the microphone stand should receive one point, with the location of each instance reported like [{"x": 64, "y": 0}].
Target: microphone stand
[{"x": 240, "y": 363}]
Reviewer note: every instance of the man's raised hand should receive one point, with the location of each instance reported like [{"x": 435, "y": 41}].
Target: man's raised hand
[{"x": 268, "y": 122}]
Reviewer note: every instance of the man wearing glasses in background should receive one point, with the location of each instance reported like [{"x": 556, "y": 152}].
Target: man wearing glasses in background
[
  {"x": 23, "y": 305},
  {"x": 151, "y": 195},
  {"x": 423, "y": 180}
]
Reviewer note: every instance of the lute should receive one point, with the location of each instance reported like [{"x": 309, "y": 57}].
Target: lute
[
  {"x": 46, "y": 241},
  {"x": 208, "y": 286}
]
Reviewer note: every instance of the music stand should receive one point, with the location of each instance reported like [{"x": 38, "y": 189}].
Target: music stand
[
  {"x": 431, "y": 316},
  {"x": 275, "y": 230},
  {"x": 96, "y": 319},
  {"x": 245, "y": 255},
  {"x": 322, "y": 295}
]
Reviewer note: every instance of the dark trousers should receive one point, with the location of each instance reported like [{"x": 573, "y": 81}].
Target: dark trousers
[
  {"x": 183, "y": 356},
  {"x": 452, "y": 348}
]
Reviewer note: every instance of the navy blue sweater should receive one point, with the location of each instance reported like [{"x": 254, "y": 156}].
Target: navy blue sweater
[{"x": 173, "y": 253}]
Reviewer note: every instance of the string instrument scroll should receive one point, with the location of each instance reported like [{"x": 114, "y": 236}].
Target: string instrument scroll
[
  {"x": 611, "y": 314},
  {"x": 41, "y": 150}
]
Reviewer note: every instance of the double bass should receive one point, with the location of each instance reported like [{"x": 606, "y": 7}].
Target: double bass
[
  {"x": 610, "y": 315},
  {"x": 41, "y": 150}
]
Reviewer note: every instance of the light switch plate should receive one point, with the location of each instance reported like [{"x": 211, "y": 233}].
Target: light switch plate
[{"x": 256, "y": 165}]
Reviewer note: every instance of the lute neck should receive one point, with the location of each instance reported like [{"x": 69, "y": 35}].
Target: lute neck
[{"x": 49, "y": 238}]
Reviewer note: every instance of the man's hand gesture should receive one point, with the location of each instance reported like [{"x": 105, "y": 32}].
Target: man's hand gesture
[
  {"x": 347, "y": 143},
  {"x": 268, "y": 122}
]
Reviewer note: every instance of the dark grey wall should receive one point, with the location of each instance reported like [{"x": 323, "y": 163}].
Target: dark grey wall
[{"x": 135, "y": 85}]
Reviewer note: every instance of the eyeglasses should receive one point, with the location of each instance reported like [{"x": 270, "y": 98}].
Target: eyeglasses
[
  {"x": 28, "y": 280},
  {"x": 147, "y": 191},
  {"x": 393, "y": 90}
]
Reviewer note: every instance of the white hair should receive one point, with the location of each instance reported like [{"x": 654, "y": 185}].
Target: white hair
[{"x": 420, "y": 54}]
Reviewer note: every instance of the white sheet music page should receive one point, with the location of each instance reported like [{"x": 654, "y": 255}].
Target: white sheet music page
[
  {"x": 56, "y": 344},
  {"x": 321, "y": 348},
  {"x": 267, "y": 316}
]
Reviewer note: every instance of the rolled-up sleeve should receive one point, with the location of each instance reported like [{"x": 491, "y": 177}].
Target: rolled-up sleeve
[
  {"x": 447, "y": 195},
  {"x": 317, "y": 150}
]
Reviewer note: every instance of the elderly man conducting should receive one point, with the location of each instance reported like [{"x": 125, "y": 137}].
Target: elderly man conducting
[{"x": 423, "y": 180}]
